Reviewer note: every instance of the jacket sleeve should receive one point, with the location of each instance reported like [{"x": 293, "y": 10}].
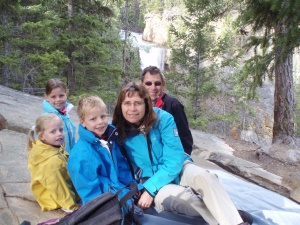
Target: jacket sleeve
[
  {"x": 171, "y": 161},
  {"x": 58, "y": 183},
  {"x": 83, "y": 172},
  {"x": 174, "y": 107},
  {"x": 124, "y": 173}
]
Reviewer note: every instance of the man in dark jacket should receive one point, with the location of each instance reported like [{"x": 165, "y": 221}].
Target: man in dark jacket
[{"x": 153, "y": 80}]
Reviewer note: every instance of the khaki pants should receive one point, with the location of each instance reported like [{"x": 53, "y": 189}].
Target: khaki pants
[{"x": 199, "y": 194}]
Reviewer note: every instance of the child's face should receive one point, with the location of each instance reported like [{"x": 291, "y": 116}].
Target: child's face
[
  {"x": 54, "y": 133},
  {"x": 57, "y": 98},
  {"x": 95, "y": 120}
]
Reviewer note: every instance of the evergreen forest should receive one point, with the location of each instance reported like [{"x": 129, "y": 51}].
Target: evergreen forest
[{"x": 221, "y": 51}]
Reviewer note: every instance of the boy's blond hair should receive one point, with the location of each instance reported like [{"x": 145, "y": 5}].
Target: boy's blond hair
[{"x": 87, "y": 103}]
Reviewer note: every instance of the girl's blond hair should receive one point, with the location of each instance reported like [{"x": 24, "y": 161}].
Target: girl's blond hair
[{"x": 40, "y": 126}]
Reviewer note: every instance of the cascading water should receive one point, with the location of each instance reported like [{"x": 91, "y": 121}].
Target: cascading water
[{"x": 150, "y": 54}]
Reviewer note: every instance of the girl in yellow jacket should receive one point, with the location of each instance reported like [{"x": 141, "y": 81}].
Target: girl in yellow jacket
[{"x": 50, "y": 182}]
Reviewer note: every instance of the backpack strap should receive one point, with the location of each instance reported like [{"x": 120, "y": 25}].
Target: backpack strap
[
  {"x": 123, "y": 151},
  {"x": 149, "y": 145},
  {"x": 133, "y": 190},
  {"x": 131, "y": 211}
]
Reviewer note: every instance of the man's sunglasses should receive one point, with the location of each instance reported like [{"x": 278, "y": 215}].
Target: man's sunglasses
[{"x": 149, "y": 83}]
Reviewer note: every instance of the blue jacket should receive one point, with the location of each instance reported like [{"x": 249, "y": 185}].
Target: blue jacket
[
  {"x": 166, "y": 149},
  {"x": 69, "y": 127},
  {"x": 94, "y": 169}
]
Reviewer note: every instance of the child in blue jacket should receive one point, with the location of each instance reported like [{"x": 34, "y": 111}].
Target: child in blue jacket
[
  {"x": 96, "y": 164},
  {"x": 56, "y": 102}
]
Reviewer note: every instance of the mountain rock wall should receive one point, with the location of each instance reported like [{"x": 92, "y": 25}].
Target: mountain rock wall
[
  {"x": 157, "y": 25},
  {"x": 157, "y": 28}
]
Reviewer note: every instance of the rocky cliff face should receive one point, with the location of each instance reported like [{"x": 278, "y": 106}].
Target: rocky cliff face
[
  {"x": 157, "y": 26},
  {"x": 157, "y": 29}
]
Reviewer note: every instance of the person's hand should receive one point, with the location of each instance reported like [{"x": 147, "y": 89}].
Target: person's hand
[
  {"x": 136, "y": 197},
  {"x": 145, "y": 200}
]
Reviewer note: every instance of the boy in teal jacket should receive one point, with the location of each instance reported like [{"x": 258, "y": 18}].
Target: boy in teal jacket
[{"x": 96, "y": 164}]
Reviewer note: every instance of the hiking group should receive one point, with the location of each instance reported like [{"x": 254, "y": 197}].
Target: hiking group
[{"x": 148, "y": 143}]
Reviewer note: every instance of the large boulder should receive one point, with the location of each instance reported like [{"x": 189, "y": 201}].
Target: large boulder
[{"x": 3, "y": 122}]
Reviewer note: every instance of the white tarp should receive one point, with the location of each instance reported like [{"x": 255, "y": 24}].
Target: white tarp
[{"x": 266, "y": 207}]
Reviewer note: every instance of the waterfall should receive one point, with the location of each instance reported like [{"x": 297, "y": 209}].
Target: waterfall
[{"x": 150, "y": 54}]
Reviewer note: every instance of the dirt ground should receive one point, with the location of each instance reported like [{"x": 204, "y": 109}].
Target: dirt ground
[{"x": 270, "y": 162}]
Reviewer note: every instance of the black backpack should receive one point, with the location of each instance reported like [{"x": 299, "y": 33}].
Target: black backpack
[{"x": 105, "y": 209}]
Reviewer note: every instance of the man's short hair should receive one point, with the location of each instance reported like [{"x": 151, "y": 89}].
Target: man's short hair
[{"x": 152, "y": 70}]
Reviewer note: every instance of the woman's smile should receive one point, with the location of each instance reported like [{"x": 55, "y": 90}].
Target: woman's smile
[{"x": 133, "y": 108}]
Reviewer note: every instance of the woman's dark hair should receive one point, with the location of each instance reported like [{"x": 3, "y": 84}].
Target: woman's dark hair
[{"x": 149, "y": 118}]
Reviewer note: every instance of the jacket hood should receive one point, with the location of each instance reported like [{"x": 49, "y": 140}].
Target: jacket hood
[
  {"x": 132, "y": 131},
  {"x": 110, "y": 132},
  {"x": 41, "y": 152},
  {"x": 48, "y": 108}
]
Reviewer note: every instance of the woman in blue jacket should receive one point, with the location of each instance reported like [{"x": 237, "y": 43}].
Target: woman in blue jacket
[{"x": 153, "y": 147}]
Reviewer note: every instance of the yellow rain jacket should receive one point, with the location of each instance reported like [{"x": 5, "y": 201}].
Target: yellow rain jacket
[{"x": 50, "y": 182}]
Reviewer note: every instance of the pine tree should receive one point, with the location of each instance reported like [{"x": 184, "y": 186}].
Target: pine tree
[
  {"x": 9, "y": 10},
  {"x": 79, "y": 44},
  {"x": 276, "y": 34},
  {"x": 130, "y": 22},
  {"x": 192, "y": 47}
]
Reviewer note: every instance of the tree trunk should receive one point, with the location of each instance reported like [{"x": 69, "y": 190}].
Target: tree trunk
[
  {"x": 124, "y": 75},
  {"x": 136, "y": 14},
  {"x": 70, "y": 73},
  {"x": 5, "y": 66},
  {"x": 197, "y": 86},
  {"x": 283, "y": 128}
]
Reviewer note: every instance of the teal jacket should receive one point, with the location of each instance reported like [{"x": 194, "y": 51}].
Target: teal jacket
[
  {"x": 69, "y": 127},
  {"x": 166, "y": 152}
]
